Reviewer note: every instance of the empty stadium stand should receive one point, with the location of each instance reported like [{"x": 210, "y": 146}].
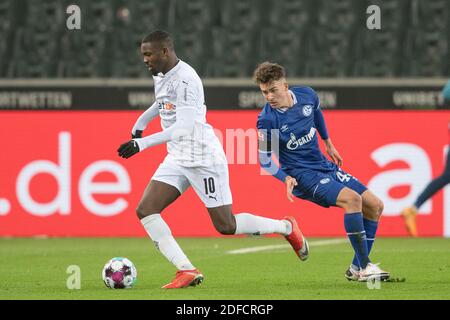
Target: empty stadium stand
[{"x": 312, "y": 38}]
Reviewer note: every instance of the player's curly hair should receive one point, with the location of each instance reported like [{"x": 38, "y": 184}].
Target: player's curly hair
[
  {"x": 267, "y": 72},
  {"x": 160, "y": 36}
]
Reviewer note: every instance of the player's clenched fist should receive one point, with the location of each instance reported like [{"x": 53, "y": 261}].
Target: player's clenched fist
[{"x": 128, "y": 149}]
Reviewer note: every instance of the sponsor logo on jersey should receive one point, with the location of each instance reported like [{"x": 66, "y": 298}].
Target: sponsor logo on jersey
[
  {"x": 307, "y": 110},
  {"x": 167, "y": 106},
  {"x": 325, "y": 181},
  {"x": 294, "y": 143}
]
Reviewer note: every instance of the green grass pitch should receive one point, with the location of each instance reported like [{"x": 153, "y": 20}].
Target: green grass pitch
[{"x": 37, "y": 269}]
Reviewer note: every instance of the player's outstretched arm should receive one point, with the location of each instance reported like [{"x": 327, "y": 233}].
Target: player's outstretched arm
[
  {"x": 183, "y": 126},
  {"x": 319, "y": 122},
  {"x": 144, "y": 119}
]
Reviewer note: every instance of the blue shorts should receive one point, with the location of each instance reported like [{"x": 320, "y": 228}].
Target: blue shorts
[{"x": 323, "y": 187}]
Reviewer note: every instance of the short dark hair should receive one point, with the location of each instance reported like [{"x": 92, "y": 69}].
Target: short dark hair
[
  {"x": 160, "y": 36},
  {"x": 267, "y": 72}
]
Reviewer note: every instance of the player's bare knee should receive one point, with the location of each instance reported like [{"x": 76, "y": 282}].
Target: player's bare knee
[
  {"x": 380, "y": 207},
  {"x": 378, "y": 210},
  {"x": 353, "y": 202},
  {"x": 373, "y": 210}
]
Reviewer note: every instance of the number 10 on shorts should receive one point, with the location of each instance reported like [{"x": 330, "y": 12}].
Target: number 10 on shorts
[{"x": 209, "y": 185}]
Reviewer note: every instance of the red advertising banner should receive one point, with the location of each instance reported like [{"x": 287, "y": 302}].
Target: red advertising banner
[{"x": 60, "y": 174}]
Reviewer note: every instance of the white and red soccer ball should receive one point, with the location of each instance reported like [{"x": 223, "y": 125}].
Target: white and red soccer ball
[{"x": 119, "y": 273}]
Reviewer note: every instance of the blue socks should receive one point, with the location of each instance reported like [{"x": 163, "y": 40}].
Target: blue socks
[
  {"x": 371, "y": 230},
  {"x": 354, "y": 226}
]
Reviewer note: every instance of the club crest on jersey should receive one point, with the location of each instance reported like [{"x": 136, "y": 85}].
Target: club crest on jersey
[{"x": 307, "y": 110}]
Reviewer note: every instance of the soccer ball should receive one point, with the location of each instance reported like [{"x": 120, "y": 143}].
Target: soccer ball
[{"x": 119, "y": 273}]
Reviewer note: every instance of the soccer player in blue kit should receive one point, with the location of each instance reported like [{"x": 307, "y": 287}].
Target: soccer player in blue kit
[{"x": 291, "y": 119}]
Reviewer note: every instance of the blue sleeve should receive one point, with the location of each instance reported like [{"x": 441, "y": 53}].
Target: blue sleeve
[
  {"x": 264, "y": 126},
  {"x": 446, "y": 91},
  {"x": 319, "y": 120},
  {"x": 265, "y": 149}
]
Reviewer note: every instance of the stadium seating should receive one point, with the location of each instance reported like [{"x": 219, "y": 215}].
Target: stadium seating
[
  {"x": 7, "y": 18},
  {"x": 427, "y": 41},
  {"x": 312, "y": 38}
]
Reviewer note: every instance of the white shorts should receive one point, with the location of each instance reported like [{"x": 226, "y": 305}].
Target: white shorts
[{"x": 211, "y": 183}]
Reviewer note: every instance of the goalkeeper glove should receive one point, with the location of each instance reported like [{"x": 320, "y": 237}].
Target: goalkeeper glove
[{"x": 128, "y": 149}]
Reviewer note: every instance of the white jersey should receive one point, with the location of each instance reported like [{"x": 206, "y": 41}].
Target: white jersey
[{"x": 181, "y": 87}]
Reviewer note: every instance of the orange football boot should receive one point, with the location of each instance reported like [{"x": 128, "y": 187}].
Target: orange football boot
[
  {"x": 297, "y": 240},
  {"x": 184, "y": 279},
  {"x": 409, "y": 217}
]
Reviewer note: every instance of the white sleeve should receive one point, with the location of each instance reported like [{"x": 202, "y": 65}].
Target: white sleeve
[
  {"x": 183, "y": 126},
  {"x": 145, "y": 118}
]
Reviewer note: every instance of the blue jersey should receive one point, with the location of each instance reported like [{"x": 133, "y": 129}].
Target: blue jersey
[{"x": 296, "y": 131}]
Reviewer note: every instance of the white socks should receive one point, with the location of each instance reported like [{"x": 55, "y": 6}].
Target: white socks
[
  {"x": 247, "y": 223},
  {"x": 162, "y": 237}
]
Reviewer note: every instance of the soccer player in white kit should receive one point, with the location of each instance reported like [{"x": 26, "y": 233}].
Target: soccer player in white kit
[{"x": 195, "y": 158}]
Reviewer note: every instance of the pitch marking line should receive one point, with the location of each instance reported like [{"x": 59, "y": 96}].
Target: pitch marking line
[{"x": 318, "y": 243}]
